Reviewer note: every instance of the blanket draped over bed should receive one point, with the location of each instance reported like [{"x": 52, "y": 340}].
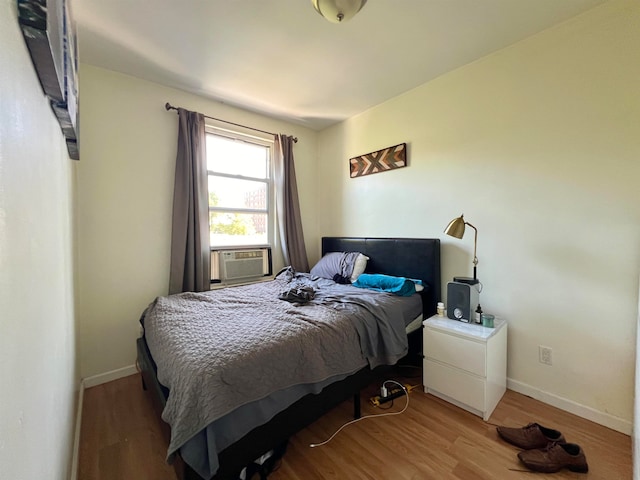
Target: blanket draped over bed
[{"x": 217, "y": 351}]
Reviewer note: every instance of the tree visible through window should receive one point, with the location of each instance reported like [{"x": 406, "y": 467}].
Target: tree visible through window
[{"x": 239, "y": 191}]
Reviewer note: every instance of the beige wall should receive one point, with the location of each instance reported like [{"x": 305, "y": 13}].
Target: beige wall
[
  {"x": 38, "y": 379},
  {"x": 539, "y": 146},
  {"x": 125, "y": 192}
]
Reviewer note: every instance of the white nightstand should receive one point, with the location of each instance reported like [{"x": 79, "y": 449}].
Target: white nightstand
[{"x": 465, "y": 363}]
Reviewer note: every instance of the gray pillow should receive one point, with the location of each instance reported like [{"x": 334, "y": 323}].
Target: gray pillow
[{"x": 337, "y": 266}]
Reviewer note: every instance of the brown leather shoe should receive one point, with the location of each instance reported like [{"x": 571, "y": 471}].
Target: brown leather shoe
[
  {"x": 531, "y": 436},
  {"x": 555, "y": 457}
]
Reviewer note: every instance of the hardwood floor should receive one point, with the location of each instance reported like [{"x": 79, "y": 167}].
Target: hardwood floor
[
  {"x": 121, "y": 436},
  {"x": 121, "y": 439}
]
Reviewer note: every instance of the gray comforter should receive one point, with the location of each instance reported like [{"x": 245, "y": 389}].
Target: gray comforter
[{"x": 218, "y": 351}]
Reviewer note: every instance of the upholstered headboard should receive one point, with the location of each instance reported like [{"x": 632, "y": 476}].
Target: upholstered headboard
[{"x": 404, "y": 257}]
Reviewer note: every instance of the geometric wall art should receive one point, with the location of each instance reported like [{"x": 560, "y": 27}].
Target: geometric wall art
[{"x": 383, "y": 160}]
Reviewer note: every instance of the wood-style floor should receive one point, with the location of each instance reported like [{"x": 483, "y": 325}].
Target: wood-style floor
[{"x": 121, "y": 439}]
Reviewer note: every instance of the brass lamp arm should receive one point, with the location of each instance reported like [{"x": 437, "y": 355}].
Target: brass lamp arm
[{"x": 475, "y": 244}]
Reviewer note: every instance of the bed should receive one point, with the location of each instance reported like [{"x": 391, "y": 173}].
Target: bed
[{"x": 297, "y": 406}]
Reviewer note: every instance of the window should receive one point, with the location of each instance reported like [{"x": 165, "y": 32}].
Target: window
[{"x": 240, "y": 189}]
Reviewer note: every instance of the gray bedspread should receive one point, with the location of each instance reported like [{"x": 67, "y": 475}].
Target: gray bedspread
[{"x": 221, "y": 350}]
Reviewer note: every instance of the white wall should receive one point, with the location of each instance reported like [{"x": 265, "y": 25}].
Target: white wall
[
  {"x": 38, "y": 379},
  {"x": 125, "y": 194},
  {"x": 539, "y": 146}
]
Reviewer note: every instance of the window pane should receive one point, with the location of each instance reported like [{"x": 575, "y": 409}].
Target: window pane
[
  {"x": 236, "y": 229},
  {"x": 235, "y": 157},
  {"x": 232, "y": 193}
]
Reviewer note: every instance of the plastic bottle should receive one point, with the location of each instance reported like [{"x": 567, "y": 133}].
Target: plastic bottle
[
  {"x": 478, "y": 317},
  {"x": 440, "y": 309}
]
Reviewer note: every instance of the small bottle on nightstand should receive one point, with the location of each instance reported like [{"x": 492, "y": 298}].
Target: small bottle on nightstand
[
  {"x": 478, "y": 317},
  {"x": 440, "y": 309}
]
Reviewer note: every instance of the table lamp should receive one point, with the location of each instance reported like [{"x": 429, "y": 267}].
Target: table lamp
[{"x": 456, "y": 229}]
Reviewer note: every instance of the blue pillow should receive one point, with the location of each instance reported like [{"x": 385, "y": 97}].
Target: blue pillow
[{"x": 401, "y": 286}]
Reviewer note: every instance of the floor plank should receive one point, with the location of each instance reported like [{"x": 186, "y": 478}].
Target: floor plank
[
  {"x": 120, "y": 436},
  {"x": 121, "y": 439}
]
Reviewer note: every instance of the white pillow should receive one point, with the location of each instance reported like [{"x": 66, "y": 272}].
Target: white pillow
[
  {"x": 359, "y": 267},
  {"x": 419, "y": 287}
]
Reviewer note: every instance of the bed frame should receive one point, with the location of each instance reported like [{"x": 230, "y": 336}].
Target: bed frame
[{"x": 409, "y": 257}]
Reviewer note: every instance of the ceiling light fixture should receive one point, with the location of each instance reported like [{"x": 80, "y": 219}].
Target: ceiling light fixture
[{"x": 338, "y": 11}]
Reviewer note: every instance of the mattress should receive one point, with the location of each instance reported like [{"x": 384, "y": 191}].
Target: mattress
[{"x": 414, "y": 324}]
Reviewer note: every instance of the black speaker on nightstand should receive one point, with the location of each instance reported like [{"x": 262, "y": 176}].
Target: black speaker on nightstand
[{"x": 462, "y": 300}]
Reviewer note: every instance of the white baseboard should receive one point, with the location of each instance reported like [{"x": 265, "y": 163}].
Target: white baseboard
[
  {"x": 75, "y": 457},
  {"x": 615, "y": 423},
  {"x": 109, "y": 376}
]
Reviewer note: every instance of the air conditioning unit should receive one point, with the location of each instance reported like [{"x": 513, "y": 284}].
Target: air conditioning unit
[{"x": 232, "y": 266}]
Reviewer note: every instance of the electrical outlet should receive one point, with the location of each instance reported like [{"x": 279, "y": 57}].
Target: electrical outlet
[{"x": 545, "y": 355}]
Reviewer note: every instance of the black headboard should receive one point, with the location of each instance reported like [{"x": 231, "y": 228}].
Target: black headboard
[{"x": 403, "y": 257}]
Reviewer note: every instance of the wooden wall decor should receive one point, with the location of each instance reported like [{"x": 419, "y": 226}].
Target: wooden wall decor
[
  {"x": 381, "y": 161},
  {"x": 50, "y": 35}
]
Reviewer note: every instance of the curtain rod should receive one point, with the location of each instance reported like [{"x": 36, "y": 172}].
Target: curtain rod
[{"x": 168, "y": 106}]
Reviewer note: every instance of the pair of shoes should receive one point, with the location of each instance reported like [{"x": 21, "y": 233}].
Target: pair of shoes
[
  {"x": 554, "y": 457},
  {"x": 545, "y": 449},
  {"x": 532, "y": 436}
]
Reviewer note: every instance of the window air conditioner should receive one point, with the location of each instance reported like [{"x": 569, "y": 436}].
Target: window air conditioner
[{"x": 240, "y": 265}]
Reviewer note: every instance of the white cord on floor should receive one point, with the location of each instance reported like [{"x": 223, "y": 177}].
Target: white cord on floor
[{"x": 312, "y": 445}]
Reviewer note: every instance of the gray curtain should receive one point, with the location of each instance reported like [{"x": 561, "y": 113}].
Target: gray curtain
[
  {"x": 190, "y": 270},
  {"x": 288, "y": 206}
]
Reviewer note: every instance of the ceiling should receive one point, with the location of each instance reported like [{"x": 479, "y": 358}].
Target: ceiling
[{"x": 280, "y": 58}]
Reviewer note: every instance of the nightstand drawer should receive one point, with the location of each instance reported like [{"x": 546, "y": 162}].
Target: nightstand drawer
[
  {"x": 454, "y": 383},
  {"x": 456, "y": 351}
]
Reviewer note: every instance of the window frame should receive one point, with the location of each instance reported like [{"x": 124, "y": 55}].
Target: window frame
[{"x": 253, "y": 139}]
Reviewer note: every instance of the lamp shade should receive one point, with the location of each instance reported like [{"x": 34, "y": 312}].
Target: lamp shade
[
  {"x": 337, "y": 11},
  {"x": 456, "y": 227}
]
